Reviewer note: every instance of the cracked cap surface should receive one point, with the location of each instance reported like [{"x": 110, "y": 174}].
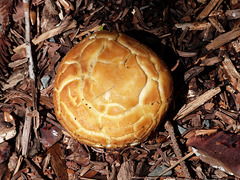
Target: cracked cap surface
[{"x": 111, "y": 91}]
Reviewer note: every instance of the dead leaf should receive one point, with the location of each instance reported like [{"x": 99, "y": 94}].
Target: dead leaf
[{"x": 220, "y": 150}]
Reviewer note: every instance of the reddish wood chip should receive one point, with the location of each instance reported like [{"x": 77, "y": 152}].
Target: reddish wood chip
[{"x": 58, "y": 162}]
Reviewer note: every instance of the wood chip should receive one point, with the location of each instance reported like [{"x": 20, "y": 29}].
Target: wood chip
[
  {"x": 216, "y": 24},
  {"x": 13, "y": 80},
  {"x": 67, "y": 24},
  {"x": 194, "y": 25},
  {"x": 84, "y": 170},
  {"x": 194, "y": 71},
  {"x": 188, "y": 108},
  {"x": 236, "y": 45},
  {"x": 232, "y": 73},
  {"x": 210, "y": 61},
  {"x": 17, "y": 63},
  {"x": 207, "y": 9},
  {"x": 26, "y": 132},
  {"x": 186, "y": 54},
  {"x": 227, "y": 119},
  {"x": 233, "y": 14},
  {"x": 58, "y": 162},
  {"x": 223, "y": 39},
  {"x": 6, "y": 131},
  {"x": 126, "y": 171}
]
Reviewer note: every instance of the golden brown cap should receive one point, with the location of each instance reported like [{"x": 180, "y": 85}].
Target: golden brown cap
[{"x": 111, "y": 91}]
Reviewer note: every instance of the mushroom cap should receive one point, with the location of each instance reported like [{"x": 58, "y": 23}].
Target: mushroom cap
[{"x": 111, "y": 91}]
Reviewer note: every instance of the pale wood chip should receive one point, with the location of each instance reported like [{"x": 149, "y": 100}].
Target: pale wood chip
[
  {"x": 216, "y": 24},
  {"x": 236, "y": 45},
  {"x": 194, "y": 25},
  {"x": 223, "y": 39},
  {"x": 201, "y": 132},
  {"x": 227, "y": 119},
  {"x": 186, "y": 54},
  {"x": 13, "y": 80},
  {"x": 233, "y": 14},
  {"x": 216, "y": 13},
  {"x": 207, "y": 9},
  {"x": 232, "y": 73},
  {"x": 17, "y": 63},
  {"x": 202, "y": 1},
  {"x": 84, "y": 170},
  {"x": 26, "y": 132},
  {"x": 7, "y": 131},
  {"x": 188, "y": 108},
  {"x": 169, "y": 127},
  {"x": 19, "y": 162},
  {"x": 194, "y": 71},
  {"x": 210, "y": 61}
]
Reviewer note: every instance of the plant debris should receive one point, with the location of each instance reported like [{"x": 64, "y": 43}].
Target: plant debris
[
  {"x": 220, "y": 150},
  {"x": 198, "y": 39}
]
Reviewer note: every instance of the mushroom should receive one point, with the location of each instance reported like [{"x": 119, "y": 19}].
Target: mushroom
[{"x": 111, "y": 91}]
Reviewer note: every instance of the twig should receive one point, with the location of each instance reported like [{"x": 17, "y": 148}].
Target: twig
[
  {"x": 31, "y": 65},
  {"x": 28, "y": 39},
  {"x": 194, "y": 25},
  {"x": 168, "y": 126},
  {"x": 176, "y": 163}
]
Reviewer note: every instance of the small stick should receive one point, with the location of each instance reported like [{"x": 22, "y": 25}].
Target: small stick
[
  {"x": 176, "y": 163},
  {"x": 31, "y": 65},
  {"x": 168, "y": 169},
  {"x": 28, "y": 39},
  {"x": 168, "y": 126},
  {"x": 193, "y": 25}
]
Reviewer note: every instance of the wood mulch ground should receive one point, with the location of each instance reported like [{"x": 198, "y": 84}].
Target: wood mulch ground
[{"x": 198, "y": 39}]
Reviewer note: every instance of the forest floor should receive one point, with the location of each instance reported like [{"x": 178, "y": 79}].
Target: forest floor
[{"x": 198, "y": 39}]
